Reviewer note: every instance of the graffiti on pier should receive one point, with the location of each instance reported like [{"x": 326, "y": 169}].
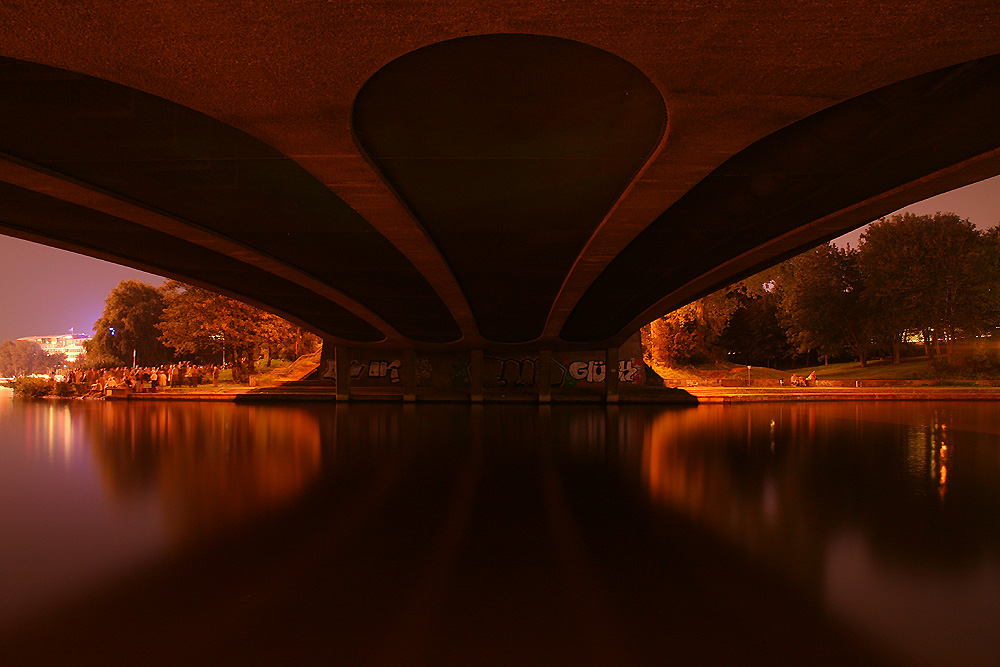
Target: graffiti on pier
[
  {"x": 524, "y": 372},
  {"x": 575, "y": 369},
  {"x": 628, "y": 371},
  {"x": 376, "y": 369},
  {"x": 360, "y": 370},
  {"x": 511, "y": 372},
  {"x": 594, "y": 371},
  {"x": 590, "y": 372},
  {"x": 459, "y": 374}
]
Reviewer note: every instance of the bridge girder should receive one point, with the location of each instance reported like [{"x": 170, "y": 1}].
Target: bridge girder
[{"x": 442, "y": 175}]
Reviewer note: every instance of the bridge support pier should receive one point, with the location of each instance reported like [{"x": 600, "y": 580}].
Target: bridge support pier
[
  {"x": 409, "y": 376},
  {"x": 544, "y": 374},
  {"x": 611, "y": 374},
  {"x": 343, "y": 361},
  {"x": 476, "y": 377}
]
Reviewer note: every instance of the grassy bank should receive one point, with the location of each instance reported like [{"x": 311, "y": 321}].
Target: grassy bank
[
  {"x": 266, "y": 376},
  {"x": 918, "y": 368}
]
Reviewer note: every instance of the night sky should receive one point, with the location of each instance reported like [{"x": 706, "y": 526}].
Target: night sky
[{"x": 45, "y": 291}]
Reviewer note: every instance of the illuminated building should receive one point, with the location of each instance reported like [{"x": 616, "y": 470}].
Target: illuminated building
[{"x": 69, "y": 344}]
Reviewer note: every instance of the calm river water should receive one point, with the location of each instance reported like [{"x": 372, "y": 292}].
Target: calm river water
[{"x": 500, "y": 534}]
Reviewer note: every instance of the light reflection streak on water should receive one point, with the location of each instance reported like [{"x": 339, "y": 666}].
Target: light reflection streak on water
[
  {"x": 845, "y": 501},
  {"x": 88, "y": 489},
  {"x": 888, "y": 513}
]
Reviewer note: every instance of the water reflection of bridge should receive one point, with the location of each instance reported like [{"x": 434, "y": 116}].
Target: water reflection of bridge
[{"x": 441, "y": 534}]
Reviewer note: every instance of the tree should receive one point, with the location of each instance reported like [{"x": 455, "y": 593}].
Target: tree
[
  {"x": 196, "y": 320},
  {"x": 821, "y": 305},
  {"x": 132, "y": 311},
  {"x": 924, "y": 273},
  {"x": 754, "y": 334},
  {"x": 24, "y": 357},
  {"x": 694, "y": 333},
  {"x": 677, "y": 338},
  {"x": 987, "y": 265}
]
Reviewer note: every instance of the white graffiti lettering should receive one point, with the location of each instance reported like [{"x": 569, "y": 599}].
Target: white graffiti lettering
[
  {"x": 627, "y": 371},
  {"x": 378, "y": 369},
  {"x": 588, "y": 371}
]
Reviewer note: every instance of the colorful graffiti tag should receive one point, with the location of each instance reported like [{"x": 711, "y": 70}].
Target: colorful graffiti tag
[
  {"x": 523, "y": 372},
  {"x": 498, "y": 372}
]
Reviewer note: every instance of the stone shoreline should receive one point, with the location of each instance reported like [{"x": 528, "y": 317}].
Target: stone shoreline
[{"x": 666, "y": 395}]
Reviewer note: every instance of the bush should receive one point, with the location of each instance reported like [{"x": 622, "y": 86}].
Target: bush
[
  {"x": 29, "y": 387},
  {"x": 979, "y": 361},
  {"x": 63, "y": 390}
]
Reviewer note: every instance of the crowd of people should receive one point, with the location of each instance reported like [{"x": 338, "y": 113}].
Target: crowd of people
[{"x": 144, "y": 379}]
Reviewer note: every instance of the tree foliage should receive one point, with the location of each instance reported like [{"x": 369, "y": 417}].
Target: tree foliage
[
  {"x": 754, "y": 334},
  {"x": 196, "y": 320},
  {"x": 132, "y": 311},
  {"x": 24, "y": 357},
  {"x": 930, "y": 274},
  {"x": 822, "y": 306},
  {"x": 694, "y": 333}
]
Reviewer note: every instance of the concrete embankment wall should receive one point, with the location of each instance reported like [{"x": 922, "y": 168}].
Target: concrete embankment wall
[{"x": 774, "y": 382}]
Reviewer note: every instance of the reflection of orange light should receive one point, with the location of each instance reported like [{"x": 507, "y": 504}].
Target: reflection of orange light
[
  {"x": 665, "y": 471},
  {"x": 944, "y": 475},
  {"x": 214, "y": 466}
]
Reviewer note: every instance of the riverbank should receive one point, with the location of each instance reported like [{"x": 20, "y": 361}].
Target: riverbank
[
  {"x": 665, "y": 395},
  {"x": 287, "y": 386},
  {"x": 706, "y": 394}
]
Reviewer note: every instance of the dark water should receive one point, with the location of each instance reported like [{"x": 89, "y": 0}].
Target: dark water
[{"x": 832, "y": 533}]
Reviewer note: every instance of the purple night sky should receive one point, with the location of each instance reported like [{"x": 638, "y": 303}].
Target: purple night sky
[{"x": 45, "y": 291}]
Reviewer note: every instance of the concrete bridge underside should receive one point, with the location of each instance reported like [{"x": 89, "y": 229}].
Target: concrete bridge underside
[{"x": 448, "y": 175}]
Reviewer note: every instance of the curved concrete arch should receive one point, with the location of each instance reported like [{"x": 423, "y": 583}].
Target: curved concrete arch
[
  {"x": 510, "y": 149},
  {"x": 803, "y": 185},
  {"x": 52, "y": 210},
  {"x": 288, "y": 75},
  {"x": 203, "y": 181}
]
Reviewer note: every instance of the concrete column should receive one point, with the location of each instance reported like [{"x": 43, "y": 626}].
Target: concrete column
[
  {"x": 544, "y": 372},
  {"x": 611, "y": 374},
  {"x": 343, "y": 374},
  {"x": 328, "y": 361},
  {"x": 409, "y": 376},
  {"x": 476, "y": 377}
]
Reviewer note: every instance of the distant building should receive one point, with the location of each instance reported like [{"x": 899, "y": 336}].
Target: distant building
[{"x": 69, "y": 344}]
